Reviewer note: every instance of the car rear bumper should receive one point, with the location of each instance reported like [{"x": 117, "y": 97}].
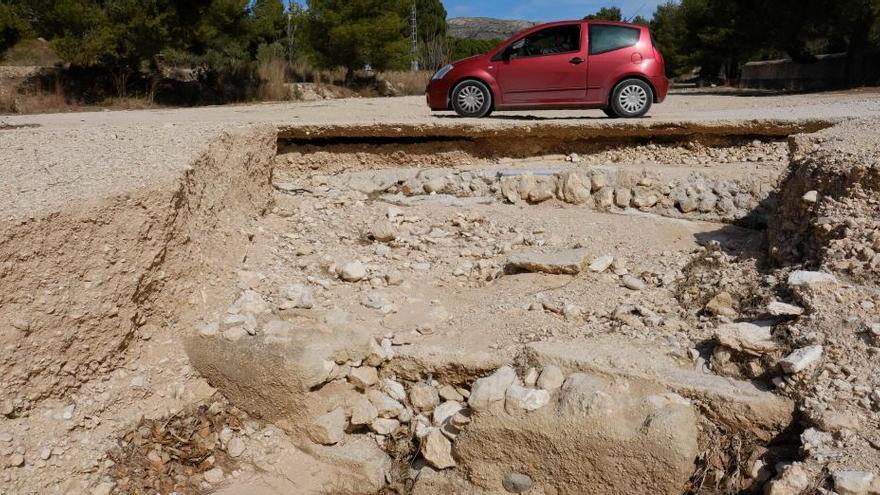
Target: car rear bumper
[
  {"x": 661, "y": 85},
  {"x": 437, "y": 95}
]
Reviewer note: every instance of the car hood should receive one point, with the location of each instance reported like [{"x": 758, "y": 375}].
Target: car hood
[{"x": 469, "y": 60}]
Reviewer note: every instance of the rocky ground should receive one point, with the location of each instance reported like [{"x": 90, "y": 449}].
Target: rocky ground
[{"x": 691, "y": 314}]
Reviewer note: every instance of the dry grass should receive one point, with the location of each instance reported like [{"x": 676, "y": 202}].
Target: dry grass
[
  {"x": 128, "y": 103},
  {"x": 406, "y": 82},
  {"x": 36, "y": 101},
  {"x": 273, "y": 76}
]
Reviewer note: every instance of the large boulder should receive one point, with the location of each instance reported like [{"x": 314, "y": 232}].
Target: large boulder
[
  {"x": 737, "y": 405},
  {"x": 600, "y": 436},
  {"x": 271, "y": 374}
]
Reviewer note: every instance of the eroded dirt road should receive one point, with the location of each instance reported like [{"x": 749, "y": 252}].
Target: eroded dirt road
[{"x": 365, "y": 298}]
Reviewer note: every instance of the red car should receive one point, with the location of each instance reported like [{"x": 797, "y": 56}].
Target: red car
[{"x": 614, "y": 66}]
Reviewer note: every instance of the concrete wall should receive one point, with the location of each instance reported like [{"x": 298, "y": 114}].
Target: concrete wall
[{"x": 828, "y": 72}]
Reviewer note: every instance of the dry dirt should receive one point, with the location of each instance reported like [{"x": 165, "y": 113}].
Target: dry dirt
[{"x": 308, "y": 263}]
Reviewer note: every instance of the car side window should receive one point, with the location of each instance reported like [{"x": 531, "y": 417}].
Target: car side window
[
  {"x": 550, "y": 41},
  {"x": 606, "y": 38}
]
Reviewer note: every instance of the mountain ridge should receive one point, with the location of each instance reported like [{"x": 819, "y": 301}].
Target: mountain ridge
[{"x": 486, "y": 28}]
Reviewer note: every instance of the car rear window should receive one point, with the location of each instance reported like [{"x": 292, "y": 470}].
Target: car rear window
[{"x": 606, "y": 38}]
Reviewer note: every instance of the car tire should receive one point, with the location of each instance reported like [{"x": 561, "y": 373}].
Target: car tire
[
  {"x": 610, "y": 113},
  {"x": 472, "y": 98},
  {"x": 632, "y": 98}
]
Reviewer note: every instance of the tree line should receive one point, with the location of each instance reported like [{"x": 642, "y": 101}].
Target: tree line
[
  {"x": 133, "y": 45},
  {"x": 719, "y": 36}
]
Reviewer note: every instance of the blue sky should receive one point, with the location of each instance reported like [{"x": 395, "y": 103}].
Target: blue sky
[{"x": 544, "y": 10}]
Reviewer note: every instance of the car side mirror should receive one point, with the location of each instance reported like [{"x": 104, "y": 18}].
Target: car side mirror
[{"x": 505, "y": 55}]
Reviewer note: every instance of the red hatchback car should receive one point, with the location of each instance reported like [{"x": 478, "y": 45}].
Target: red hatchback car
[{"x": 614, "y": 66}]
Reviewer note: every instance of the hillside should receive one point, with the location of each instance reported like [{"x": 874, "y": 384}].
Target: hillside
[{"x": 485, "y": 28}]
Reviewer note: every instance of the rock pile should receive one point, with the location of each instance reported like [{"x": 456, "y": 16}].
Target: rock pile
[{"x": 700, "y": 197}]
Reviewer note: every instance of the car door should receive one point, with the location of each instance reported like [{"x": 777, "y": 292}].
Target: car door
[
  {"x": 613, "y": 50},
  {"x": 546, "y": 66}
]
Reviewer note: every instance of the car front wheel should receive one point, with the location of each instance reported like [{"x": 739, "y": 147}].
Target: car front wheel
[
  {"x": 472, "y": 99},
  {"x": 632, "y": 98}
]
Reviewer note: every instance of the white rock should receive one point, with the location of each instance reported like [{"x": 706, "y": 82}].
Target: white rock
[
  {"x": 235, "y": 447},
  {"x": 363, "y": 377},
  {"x": 362, "y": 411},
  {"x": 353, "y": 271},
  {"x": 384, "y": 426},
  {"x": 811, "y": 196},
  {"x": 599, "y": 265},
  {"x": 777, "y": 308},
  {"x": 853, "y": 482},
  {"x": 422, "y": 426},
  {"x": 329, "y": 428},
  {"x": 633, "y": 283},
  {"x": 492, "y": 388},
  {"x": 385, "y": 405},
  {"x": 297, "y": 296},
  {"x": 437, "y": 450},
  {"x": 525, "y": 399},
  {"x": 448, "y": 392},
  {"x": 383, "y": 231},
  {"x": 67, "y": 413},
  {"x": 794, "y": 480},
  {"x": 808, "y": 279},
  {"x": 801, "y": 359},
  {"x": 235, "y": 334},
  {"x": 209, "y": 329},
  {"x": 745, "y": 337},
  {"x": 16, "y": 460},
  {"x": 423, "y": 396},
  {"x": 551, "y": 378},
  {"x": 394, "y": 389},
  {"x": 445, "y": 411},
  {"x": 214, "y": 476},
  {"x": 250, "y": 302}
]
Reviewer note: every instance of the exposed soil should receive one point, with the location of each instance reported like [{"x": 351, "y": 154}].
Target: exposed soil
[{"x": 310, "y": 271}]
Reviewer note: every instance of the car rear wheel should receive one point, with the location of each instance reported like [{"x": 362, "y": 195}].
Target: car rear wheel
[
  {"x": 472, "y": 98},
  {"x": 632, "y": 98}
]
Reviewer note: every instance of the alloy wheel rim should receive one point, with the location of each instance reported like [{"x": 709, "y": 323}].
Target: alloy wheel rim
[
  {"x": 633, "y": 98},
  {"x": 471, "y": 99}
]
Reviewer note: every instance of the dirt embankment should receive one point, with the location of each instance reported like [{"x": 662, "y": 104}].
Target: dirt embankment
[
  {"x": 829, "y": 203},
  {"x": 78, "y": 283}
]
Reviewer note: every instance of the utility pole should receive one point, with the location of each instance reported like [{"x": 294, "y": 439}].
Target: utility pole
[{"x": 414, "y": 29}]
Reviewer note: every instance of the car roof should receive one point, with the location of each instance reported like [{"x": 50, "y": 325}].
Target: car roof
[{"x": 585, "y": 21}]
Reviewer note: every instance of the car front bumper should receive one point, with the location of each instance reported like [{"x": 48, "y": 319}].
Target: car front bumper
[{"x": 437, "y": 95}]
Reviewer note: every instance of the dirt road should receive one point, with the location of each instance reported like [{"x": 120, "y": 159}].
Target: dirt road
[{"x": 350, "y": 274}]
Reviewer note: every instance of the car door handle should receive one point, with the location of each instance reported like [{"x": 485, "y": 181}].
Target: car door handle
[{"x": 576, "y": 61}]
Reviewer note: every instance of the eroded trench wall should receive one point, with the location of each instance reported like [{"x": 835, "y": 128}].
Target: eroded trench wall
[
  {"x": 828, "y": 213},
  {"x": 77, "y": 285}
]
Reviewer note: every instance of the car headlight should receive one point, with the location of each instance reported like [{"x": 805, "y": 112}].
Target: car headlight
[{"x": 442, "y": 72}]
